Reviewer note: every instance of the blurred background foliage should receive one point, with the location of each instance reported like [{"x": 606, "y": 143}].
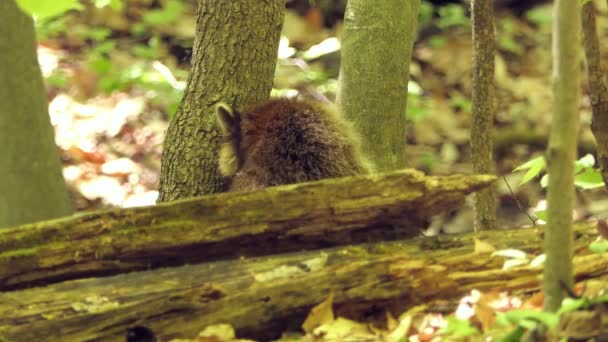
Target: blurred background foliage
[{"x": 116, "y": 71}]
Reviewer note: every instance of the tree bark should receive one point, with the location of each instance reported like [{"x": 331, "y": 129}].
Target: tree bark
[
  {"x": 31, "y": 184},
  {"x": 263, "y": 297},
  {"x": 598, "y": 90},
  {"x": 482, "y": 127},
  {"x": 374, "y": 72},
  {"x": 286, "y": 218},
  {"x": 561, "y": 152},
  {"x": 234, "y": 58}
]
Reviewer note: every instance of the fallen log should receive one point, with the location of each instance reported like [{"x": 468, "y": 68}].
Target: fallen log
[
  {"x": 262, "y": 297},
  {"x": 279, "y": 219}
]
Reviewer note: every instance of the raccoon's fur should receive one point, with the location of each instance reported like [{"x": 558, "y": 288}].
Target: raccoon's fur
[{"x": 284, "y": 141}]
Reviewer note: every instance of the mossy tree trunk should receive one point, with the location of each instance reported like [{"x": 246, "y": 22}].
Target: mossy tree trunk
[
  {"x": 234, "y": 58},
  {"x": 598, "y": 90},
  {"x": 561, "y": 152},
  {"x": 482, "y": 129},
  {"x": 31, "y": 184},
  {"x": 374, "y": 72}
]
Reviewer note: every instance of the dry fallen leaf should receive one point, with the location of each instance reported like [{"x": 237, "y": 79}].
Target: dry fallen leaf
[
  {"x": 321, "y": 314},
  {"x": 483, "y": 247}
]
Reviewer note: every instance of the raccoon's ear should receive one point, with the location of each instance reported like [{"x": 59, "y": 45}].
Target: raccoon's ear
[{"x": 227, "y": 119}]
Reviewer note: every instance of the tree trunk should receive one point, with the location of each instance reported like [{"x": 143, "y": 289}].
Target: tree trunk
[
  {"x": 561, "y": 152},
  {"x": 374, "y": 72},
  {"x": 31, "y": 184},
  {"x": 482, "y": 128},
  {"x": 598, "y": 90},
  {"x": 286, "y": 218},
  {"x": 264, "y": 297},
  {"x": 234, "y": 58}
]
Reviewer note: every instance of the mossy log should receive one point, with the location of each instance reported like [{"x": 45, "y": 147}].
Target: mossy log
[
  {"x": 286, "y": 218},
  {"x": 264, "y": 296}
]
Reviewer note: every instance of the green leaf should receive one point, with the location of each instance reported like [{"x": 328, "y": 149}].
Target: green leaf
[
  {"x": 101, "y": 65},
  {"x": 602, "y": 299},
  {"x": 437, "y": 41},
  {"x": 541, "y": 15},
  {"x": 589, "y": 179},
  {"x": 41, "y": 9},
  {"x": 599, "y": 247},
  {"x": 534, "y": 167},
  {"x": 514, "y": 336},
  {"x": 104, "y": 48},
  {"x": 167, "y": 15},
  {"x": 461, "y": 103},
  {"x": 459, "y": 328},
  {"x": 452, "y": 15},
  {"x": 425, "y": 13},
  {"x": 573, "y": 304},
  {"x": 57, "y": 79},
  {"x": 525, "y": 318},
  {"x": 541, "y": 214}
]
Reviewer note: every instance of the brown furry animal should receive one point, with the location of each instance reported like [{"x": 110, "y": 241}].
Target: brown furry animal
[{"x": 284, "y": 141}]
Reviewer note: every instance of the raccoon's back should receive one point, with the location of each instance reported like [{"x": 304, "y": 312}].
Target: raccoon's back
[{"x": 303, "y": 142}]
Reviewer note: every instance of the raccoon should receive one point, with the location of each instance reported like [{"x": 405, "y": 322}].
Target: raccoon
[{"x": 285, "y": 141}]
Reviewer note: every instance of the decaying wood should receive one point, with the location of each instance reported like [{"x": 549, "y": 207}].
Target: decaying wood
[
  {"x": 286, "y": 218},
  {"x": 262, "y": 297},
  {"x": 598, "y": 89}
]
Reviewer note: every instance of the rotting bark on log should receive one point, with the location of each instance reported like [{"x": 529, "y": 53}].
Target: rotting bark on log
[
  {"x": 287, "y": 218},
  {"x": 262, "y": 297}
]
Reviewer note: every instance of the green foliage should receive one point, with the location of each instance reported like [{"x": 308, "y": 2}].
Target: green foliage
[
  {"x": 429, "y": 161},
  {"x": 57, "y": 79},
  {"x": 540, "y": 16},
  {"x": 462, "y": 103},
  {"x": 527, "y": 319},
  {"x": 417, "y": 108},
  {"x": 425, "y": 13},
  {"x": 586, "y": 176},
  {"x": 515, "y": 335},
  {"x": 459, "y": 328},
  {"x": 50, "y": 27},
  {"x": 572, "y": 304},
  {"x": 599, "y": 247},
  {"x": 437, "y": 41},
  {"x": 47, "y": 9},
  {"x": 541, "y": 214},
  {"x": 96, "y": 34},
  {"x": 452, "y": 15},
  {"x": 168, "y": 14},
  {"x": 506, "y": 40},
  {"x": 533, "y": 167},
  {"x": 113, "y": 73},
  {"x": 149, "y": 51}
]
